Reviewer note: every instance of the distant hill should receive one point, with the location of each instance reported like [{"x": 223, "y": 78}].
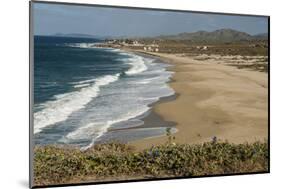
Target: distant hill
[
  {"x": 261, "y": 36},
  {"x": 221, "y": 35}
]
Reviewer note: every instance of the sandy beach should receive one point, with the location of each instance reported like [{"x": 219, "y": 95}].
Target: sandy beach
[{"x": 213, "y": 100}]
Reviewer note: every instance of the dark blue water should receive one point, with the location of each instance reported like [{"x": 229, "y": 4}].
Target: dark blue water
[
  {"x": 80, "y": 91},
  {"x": 58, "y": 65}
]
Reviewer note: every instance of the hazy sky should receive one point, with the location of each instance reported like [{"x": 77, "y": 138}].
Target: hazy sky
[{"x": 55, "y": 18}]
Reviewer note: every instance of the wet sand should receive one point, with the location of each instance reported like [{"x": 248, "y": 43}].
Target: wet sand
[
  {"x": 153, "y": 124},
  {"x": 213, "y": 100}
]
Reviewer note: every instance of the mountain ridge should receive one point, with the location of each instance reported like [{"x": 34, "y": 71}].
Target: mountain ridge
[{"x": 220, "y": 35}]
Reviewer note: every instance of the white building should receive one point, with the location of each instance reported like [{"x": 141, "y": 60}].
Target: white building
[{"x": 154, "y": 45}]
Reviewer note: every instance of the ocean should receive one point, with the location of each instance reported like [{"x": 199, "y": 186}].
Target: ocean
[{"x": 81, "y": 91}]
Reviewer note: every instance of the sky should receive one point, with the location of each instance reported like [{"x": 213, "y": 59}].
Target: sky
[{"x": 107, "y": 21}]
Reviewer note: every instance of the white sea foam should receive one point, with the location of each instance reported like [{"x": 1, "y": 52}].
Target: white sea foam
[
  {"x": 124, "y": 100},
  {"x": 65, "y": 104},
  {"x": 137, "y": 65},
  {"x": 82, "y": 45},
  {"x": 49, "y": 84},
  {"x": 91, "y": 46},
  {"x": 84, "y": 81},
  {"x": 113, "y": 50},
  {"x": 81, "y": 85},
  {"x": 95, "y": 130}
]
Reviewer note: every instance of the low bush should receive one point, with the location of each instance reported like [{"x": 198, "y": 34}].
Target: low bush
[{"x": 57, "y": 165}]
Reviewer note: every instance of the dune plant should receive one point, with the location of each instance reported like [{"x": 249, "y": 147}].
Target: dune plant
[{"x": 55, "y": 165}]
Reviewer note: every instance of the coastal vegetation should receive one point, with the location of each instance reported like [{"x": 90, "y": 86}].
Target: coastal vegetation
[{"x": 117, "y": 161}]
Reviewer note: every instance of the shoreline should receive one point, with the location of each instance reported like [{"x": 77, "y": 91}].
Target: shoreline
[
  {"x": 153, "y": 125},
  {"x": 214, "y": 100},
  {"x": 210, "y": 100}
]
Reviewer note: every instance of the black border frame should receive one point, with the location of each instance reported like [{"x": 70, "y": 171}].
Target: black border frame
[{"x": 31, "y": 63}]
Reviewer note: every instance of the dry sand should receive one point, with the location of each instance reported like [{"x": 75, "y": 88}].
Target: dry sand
[{"x": 214, "y": 100}]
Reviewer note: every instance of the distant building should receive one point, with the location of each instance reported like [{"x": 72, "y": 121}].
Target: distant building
[
  {"x": 202, "y": 47},
  {"x": 151, "y": 48},
  {"x": 154, "y": 45}
]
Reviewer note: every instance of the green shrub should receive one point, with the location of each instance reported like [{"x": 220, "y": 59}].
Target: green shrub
[{"x": 55, "y": 165}]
